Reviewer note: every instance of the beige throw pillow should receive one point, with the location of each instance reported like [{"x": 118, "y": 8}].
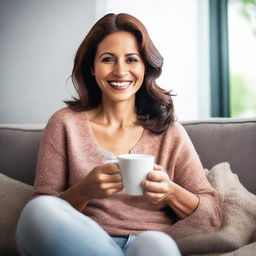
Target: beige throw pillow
[
  {"x": 13, "y": 196},
  {"x": 239, "y": 216}
]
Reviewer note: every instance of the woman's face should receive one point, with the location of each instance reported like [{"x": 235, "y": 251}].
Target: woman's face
[{"x": 118, "y": 67}]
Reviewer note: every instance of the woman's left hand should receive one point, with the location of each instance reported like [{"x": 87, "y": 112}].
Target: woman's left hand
[{"x": 157, "y": 185}]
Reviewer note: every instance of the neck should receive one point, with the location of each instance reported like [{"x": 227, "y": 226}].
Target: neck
[{"x": 118, "y": 115}]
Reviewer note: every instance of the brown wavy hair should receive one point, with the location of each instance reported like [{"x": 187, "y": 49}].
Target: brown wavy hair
[{"x": 154, "y": 105}]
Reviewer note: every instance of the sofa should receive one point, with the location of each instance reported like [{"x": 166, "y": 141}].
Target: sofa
[{"x": 217, "y": 140}]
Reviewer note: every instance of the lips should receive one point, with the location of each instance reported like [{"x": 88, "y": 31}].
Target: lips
[{"x": 120, "y": 85}]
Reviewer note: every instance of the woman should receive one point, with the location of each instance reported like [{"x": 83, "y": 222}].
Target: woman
[{"x": 119, "y": 109}]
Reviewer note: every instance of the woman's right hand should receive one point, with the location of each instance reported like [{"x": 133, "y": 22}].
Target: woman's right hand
[{"x": 103, "y": 181}]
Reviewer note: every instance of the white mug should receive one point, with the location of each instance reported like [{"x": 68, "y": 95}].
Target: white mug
[{"x": 134, "y": 169}]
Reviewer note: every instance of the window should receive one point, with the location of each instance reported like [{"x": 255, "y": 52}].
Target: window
[{"x": 242, "y": 57}]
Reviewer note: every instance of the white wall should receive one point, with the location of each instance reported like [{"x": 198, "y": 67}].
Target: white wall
[
  {"x": 39, "y": 40},
  {"x": 37, "y": 47}
]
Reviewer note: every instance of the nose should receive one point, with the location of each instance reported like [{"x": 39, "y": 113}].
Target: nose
[{"x": 120, "y": 69}]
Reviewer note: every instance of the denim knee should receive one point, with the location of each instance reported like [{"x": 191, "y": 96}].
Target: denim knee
[
  {"x": 36, "y": 208},
  {"x": 32, "y": 217},
  {"x": 153, "y": 243},
  {"x": 51, "y": 226}
]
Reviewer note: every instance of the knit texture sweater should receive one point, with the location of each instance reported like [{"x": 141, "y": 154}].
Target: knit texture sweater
[{"x": 69, "y": 151}]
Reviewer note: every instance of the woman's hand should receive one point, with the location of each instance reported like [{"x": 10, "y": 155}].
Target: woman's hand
[
  {"x": 103, "y": 181},
  {"x": 158, "y": 185}
]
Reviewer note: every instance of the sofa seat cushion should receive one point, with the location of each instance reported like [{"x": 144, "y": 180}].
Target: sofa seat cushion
[{"x": 13, "y": 196}]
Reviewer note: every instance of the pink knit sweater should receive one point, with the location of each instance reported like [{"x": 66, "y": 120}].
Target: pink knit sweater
[{"x": 69, "y": 151}]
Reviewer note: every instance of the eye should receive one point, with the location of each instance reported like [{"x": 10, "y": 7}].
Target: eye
[
  {"x": 132, "y": 59},
  {"x": 107, "y": 59}
]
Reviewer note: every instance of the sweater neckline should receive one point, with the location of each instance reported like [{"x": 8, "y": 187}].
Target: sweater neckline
[{"x": 133, "y": 150}]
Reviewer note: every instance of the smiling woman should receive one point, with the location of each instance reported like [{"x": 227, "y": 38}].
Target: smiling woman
[
  {"x": 120, "y": 110},
  {"x": 154, "y": 106}
]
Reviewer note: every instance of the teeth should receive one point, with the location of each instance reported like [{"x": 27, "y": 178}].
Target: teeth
[{"x": 120, "y": 84}]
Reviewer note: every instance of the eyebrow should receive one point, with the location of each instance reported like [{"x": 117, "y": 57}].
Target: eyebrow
[{"x": 112, "y": 54}]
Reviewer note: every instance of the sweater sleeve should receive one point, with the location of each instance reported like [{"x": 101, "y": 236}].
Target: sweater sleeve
[
  {"x": 51, "y": 173},
  {"x": 189, "y": 174}
]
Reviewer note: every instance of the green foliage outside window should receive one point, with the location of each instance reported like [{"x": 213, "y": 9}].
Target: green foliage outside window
[
  {"x": 242, "y": 97},
  {"x": 248, "y": 10},
  {"x": 243, "y": 88}
]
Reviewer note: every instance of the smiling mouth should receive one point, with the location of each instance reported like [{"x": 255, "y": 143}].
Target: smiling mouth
[{"x": 120, "y": 85}]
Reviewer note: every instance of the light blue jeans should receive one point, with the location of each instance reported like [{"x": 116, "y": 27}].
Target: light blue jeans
[{"x": 50, "y": 226}]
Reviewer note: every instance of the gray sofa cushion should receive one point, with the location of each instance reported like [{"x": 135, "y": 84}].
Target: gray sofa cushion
[
  {"x": 19, "y": 146},
  {"x": 227, "y": 140}
]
